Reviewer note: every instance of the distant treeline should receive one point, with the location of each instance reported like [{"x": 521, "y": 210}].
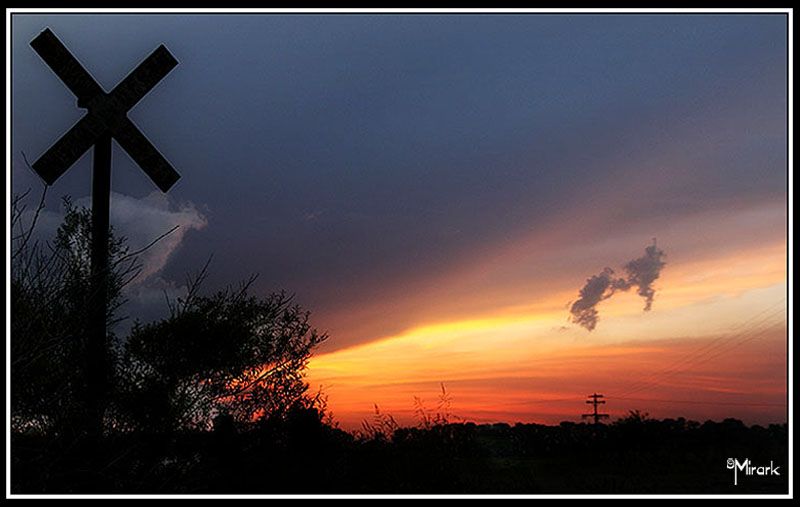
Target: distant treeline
[{"x": 302, "y": 454}]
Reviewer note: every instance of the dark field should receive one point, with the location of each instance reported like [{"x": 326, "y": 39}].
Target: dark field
[{"x": 302, "y": 455}]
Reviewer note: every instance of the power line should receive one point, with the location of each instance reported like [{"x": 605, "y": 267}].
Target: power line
[
  {"x": 704, "y": 353},
  {"x": 707, "y": 352},
  {"x": 548, "y": 400},
  {"x": 698, "y": 402},
  {"x": 719, "y": 351},
  {"x": 710, "y": 347}
]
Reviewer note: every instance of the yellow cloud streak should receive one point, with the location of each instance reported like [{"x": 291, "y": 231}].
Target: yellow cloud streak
[{"x": 692, "y": 299}]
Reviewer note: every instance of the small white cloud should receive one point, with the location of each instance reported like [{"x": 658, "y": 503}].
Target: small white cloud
[
  {"x": 140, "y": 221},
  {"x": 143, "y": 220}
]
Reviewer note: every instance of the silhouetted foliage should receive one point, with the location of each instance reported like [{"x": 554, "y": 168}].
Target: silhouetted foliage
[
  {"x": 230, "y": 353},
  {"x": 299, "y": 453},
  {"x": 212, "y": 399},
  {"x": 50, "y": 292},
  {"x": 230, "y": 361}
]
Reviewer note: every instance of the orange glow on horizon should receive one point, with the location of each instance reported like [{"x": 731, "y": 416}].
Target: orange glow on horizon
[
  {"x": 527, "y": 363},
  {"x": 550, "y": 388}
]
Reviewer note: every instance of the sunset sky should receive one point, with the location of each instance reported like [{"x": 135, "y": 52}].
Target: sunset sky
[{"x": 438, "y": 189}]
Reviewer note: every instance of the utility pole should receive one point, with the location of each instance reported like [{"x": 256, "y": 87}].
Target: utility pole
[{"x": 594, "y": 399}]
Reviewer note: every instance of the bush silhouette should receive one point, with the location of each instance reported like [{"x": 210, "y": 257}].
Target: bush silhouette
[
  {"x": 229, "y": 353},
  {"x": 50, "y": 294}
]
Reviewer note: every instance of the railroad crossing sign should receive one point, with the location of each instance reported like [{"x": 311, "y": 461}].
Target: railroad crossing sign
[
  {"x": 107, "y": 112},
  {"x": 106, "y": 118}
]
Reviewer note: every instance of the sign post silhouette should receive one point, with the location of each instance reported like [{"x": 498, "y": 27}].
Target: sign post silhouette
[{"x": 106, "y": 119}]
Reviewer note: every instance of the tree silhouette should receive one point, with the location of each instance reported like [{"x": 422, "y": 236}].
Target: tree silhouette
[{"x": 230, "y": 354}]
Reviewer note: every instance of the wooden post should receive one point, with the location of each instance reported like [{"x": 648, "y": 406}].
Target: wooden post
[{"x": 96, "y": 346}]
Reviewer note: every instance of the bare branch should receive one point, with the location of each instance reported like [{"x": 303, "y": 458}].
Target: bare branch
[
  {"x": 27, "y": 233},
  {"x": 147, "y": 247}
]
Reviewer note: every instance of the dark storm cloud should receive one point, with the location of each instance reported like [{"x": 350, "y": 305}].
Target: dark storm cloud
[
  {"x": 340, "y": 156},
  {"x": 640, "y": 273}
]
